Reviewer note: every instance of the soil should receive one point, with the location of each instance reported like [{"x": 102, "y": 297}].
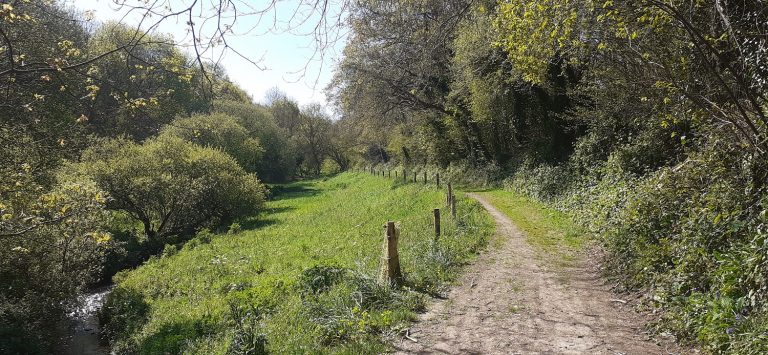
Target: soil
[{"x": 511, "y": 301}]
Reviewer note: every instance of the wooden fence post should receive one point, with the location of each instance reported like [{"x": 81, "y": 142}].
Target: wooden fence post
[
  {"x": 453, "y": 206},
  {"x": 390, "y": 272},
  {"x": 437, "y": 180},
  {"x": 425, "y": 178},
  {"x": 414, "y": 176},
  {"x": 436, "y": 211},
  {"x": 449, "y": 195}
]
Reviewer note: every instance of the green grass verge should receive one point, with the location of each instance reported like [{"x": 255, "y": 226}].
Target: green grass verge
[
  {"x": 549, "y": 231},
  {"x": 300, "y": 278}
]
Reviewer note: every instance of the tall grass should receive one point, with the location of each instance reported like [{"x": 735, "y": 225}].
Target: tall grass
[{"x": 302, "y": 277}]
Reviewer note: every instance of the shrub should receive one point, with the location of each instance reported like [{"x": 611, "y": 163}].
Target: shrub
[
  {"x": 278, "y": 161},
  {"x": 696, "y": 234},
  {"x": 234, "y": 228},
  {"x": 692, "y": 236},
  {"x": 220, "y": 131},
  {"x": 172, "y": 187},
  {"x": 329, "y": 167}
]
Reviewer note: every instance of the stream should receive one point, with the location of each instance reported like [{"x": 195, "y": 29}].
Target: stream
[{"x": 81, "y": 328}]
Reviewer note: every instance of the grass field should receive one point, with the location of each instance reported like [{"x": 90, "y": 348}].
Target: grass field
[{"x": 300, "y": 278}]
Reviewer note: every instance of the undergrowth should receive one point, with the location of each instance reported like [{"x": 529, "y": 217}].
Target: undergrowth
[{"x": 692, "y": 236}]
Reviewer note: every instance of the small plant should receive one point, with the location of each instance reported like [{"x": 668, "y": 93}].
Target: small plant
[
  {"x": 170, "y": 250},
  {"x": 234, "y": 228},
  {"x": 320, "y": 278}
]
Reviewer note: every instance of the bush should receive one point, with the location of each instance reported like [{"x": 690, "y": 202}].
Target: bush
[
  {"x": 279, "y": 159},
  {"x": 542, "y": 182},
  {"x": 329, "y": 167},
  {"x": 170, "y": 186},
  {"x": 692, "y": 236},
  {"x": 696, "y": 234},
  {"x": 219, "y": 131}
]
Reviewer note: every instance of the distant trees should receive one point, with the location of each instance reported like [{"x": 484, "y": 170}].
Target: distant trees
[
  {"x": 312, "y": 136},
  {"x": 278, "y": 160},
  {"x": 427, "y": 82}
]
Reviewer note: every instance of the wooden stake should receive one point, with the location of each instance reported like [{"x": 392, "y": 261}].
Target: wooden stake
[
  {"x": 453, "y": 206},
  {"x": 390, "y": 272},
  {"x": 414, "y": 177},
  {"x": 437, "y": 222},
  {"x": 425, "y": 178},
  {"x": 450, "y": 194},
  {"x": 437, "y": 180}
]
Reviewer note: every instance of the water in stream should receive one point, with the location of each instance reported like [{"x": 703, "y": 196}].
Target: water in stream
[{"x": 82, "y": 326}]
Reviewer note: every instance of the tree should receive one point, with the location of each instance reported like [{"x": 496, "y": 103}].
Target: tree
[
  {"x": 170, "y": 186},
  {"x": 286, "y": 113},
  {"x": 278, "y": 161},
  {"x": 707, "y": 63},
  {"x": 136, "y": 93},
  {"x": 313, "y": 137}
]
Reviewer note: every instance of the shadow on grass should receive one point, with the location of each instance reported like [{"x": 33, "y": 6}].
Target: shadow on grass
[
  {"x": 294, "y": 190},
  {"x": 257, "y": 223},
  {"x": 172, "y": 337}
]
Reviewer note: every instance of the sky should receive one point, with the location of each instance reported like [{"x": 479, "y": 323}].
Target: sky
[{"x": 284, "y": 51}]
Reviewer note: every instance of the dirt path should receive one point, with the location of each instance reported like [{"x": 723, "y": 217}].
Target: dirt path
[{"x": 510, "y": 302}]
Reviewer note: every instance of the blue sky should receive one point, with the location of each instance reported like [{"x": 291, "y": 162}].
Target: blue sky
[{"x": 289, "y": 58}]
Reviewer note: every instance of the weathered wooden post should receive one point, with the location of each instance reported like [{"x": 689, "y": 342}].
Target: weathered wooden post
[
  {"x": 449, "y": 195},
  {"x": 414, "y": 176},
  {"x": 390, "y": 271},
  {"x": 453, "y": 206},
  {"x": 382, "y": 173},
  {"x": 437, "y": 180},
  {"x": 437, "y": 223},
  {"x": 425, "y": 178}
]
